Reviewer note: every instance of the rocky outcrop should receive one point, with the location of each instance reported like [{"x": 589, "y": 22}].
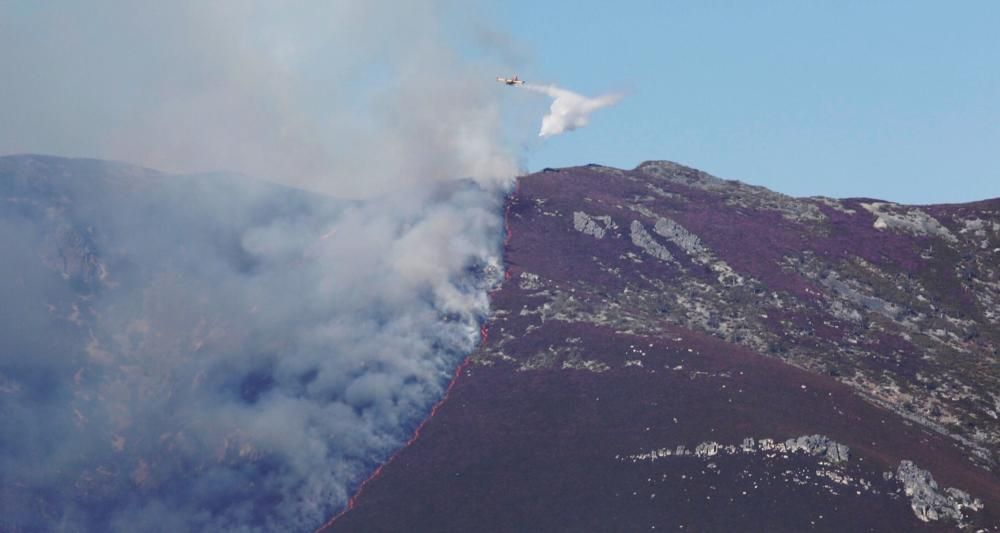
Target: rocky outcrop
[
  {"x": 596, "y": 226},
  {"x": 641, "y": 238},
  {"x": 695, "y": 249},
  {"x": 819, "y": 445},
  {"x": 908, "y": 220},
  {"x": 684, "y": 239},
  {"x": 815, "y": 445},
  {"x": 928, "y": 501}
]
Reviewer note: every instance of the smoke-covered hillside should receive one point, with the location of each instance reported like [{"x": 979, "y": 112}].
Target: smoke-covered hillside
[{"x": 213, "y": 352}]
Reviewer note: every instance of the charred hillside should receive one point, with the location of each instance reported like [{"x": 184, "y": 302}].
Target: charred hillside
[{"x": 675, "y": 350}]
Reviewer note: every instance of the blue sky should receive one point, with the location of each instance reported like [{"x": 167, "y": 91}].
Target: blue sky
[{"x": 890, "y": 99}]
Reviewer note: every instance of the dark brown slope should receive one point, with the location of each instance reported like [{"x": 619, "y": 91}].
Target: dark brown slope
[{"x": 634, "y": 319}]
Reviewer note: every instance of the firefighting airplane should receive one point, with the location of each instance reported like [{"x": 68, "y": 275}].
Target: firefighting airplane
[{"x": 511, "y": 81}]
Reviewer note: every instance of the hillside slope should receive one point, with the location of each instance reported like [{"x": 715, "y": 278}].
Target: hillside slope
[{"x": 671, "y": 350}]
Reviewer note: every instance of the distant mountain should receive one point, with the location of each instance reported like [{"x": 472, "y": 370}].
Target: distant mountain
[{"x": 673, "y": 351}]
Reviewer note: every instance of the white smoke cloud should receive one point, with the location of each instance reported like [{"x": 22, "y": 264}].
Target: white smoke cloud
[{"x": 569, "y": 110}]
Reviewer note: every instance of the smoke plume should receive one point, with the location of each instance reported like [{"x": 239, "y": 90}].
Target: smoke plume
[
  {"x": 349, "y": 98},
  {"x": 569, "y": 110},
  {"x": 211, "y": 352}
]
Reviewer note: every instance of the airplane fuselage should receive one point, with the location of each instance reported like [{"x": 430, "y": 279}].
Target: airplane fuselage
[{"x": 511, "y": 81}]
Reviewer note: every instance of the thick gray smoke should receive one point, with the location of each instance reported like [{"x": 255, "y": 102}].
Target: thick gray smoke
[
  {"x": 211, "y": 352},
  {"x": 569, "y": 110}
]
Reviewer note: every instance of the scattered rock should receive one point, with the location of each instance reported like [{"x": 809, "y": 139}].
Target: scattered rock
[
  {"x": 530, "y": 282},
  {"x": 590, "y": 365},
  {"x": 706, "y": 449}
]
